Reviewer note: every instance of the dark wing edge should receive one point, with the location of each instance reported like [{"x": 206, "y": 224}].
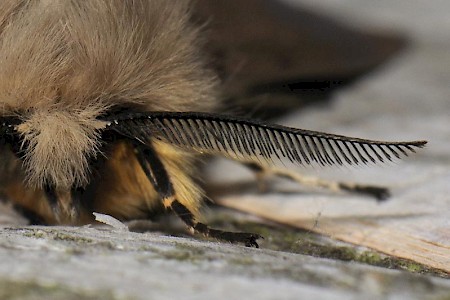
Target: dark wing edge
[{"x": 252, "y": 141}]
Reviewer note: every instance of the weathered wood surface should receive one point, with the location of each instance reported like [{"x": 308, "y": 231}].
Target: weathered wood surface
[
  {"x": 407, "y": 99},
  {"x": 95, "y": 263}
]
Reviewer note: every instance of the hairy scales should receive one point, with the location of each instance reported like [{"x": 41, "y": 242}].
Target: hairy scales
[{"x": 65, "y": 63}]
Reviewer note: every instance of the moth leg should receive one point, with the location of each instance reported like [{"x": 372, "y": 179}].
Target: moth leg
[
  {"x": 248, "y": 239},
  {"x": 157, "y": 174},
  {"x": 261, "y": 175},
  {"x": 52, "y": 199},
  {"x": 379, "y": 193},
  {"x": 67, "y": 212},
  {"x": 78, "y": 202}
]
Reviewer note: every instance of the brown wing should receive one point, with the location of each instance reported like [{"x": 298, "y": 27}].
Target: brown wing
[{"x": 264, "y": 46}]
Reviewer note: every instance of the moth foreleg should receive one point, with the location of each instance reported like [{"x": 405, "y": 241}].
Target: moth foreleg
[
  {"x": 158, "y": 176},
  {"x": 64, "y": 206},
  {"x": 53, "y": 202},
  {"x": 379, "y": 193}
]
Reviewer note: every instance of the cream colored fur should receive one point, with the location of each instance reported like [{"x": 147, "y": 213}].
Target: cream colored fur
[{"x": 64, "y": 62}]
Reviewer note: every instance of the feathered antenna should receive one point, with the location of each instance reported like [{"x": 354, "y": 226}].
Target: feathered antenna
[{"x": 253, "y": 141}]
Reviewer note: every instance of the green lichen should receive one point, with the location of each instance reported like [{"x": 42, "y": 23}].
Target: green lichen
[
  {"x": 71, "y": 238},
  {"x": 283, "y": 238},
  {"x": 13, "y": 290},
  {"x": 178, "y": 255},
  {"x": 242, "y": 261},
  {"x": 35, "y": 233},
  {"x": 56, "y": 235},
  {"x": 181, "y": 252}
]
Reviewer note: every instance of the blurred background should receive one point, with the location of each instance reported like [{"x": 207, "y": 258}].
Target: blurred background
[
  {"x": 362, "y": 68},
  {"x": 274, "y": 56}
]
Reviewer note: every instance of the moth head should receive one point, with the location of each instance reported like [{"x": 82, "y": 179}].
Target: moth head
[{"x": 56, "y": 145}]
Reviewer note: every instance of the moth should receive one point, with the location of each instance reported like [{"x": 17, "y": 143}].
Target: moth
[{"x": 105, "y": 105}]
